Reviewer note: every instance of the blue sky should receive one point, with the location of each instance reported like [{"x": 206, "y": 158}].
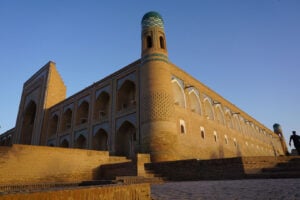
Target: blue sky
[{"x": 247, "y": 51}]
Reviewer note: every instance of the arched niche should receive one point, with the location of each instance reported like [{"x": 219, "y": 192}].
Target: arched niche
[
  {"x": 125, "y": 137},
  {"x": 28, "y": 123}
]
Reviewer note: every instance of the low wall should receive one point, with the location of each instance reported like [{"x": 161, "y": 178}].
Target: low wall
[
  {"x": 230, "y": 168},
  {"x": 118, "y": 192},
  {"x": 38, "y": 164}
]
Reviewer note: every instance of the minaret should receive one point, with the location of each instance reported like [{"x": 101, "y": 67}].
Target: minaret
[
  {"x": 157, "y": 108},
  {"x": 154, "y": 45}
]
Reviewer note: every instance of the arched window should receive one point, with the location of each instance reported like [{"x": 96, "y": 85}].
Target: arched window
[
  {"x": 226, "y": 139},
  {"x": 149, "y": 41},
  {"x": 178, "y": 92},
  {"x": 182, "y": 126},
  {"x": 215, "y": 136},
  {"x": 234, "y": 142},
  {"x": 202, "y": 132},
  {"x": 82, "y": 113},
  {"x": 162, "y": 42}
]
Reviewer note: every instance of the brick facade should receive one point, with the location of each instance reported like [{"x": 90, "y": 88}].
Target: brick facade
[{"x": 150, "y": 106}]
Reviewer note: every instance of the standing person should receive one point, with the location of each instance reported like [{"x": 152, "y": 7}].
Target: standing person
[{"x": 296, "y": 141}]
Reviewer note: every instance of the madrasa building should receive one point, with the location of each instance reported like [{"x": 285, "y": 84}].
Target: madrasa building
[{"x": 149, "y": 106}]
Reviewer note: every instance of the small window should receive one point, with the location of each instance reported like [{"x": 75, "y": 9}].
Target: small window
[
  {"x": 182, "y": 126},
  {"x": 162, "y": 42},
  {"x": 202, "y": 132},
  {"x": 215, "y": 136},
  {"x": 234, "y": 142},
  {"x": 226, "y": 139},
  {"x": 149, "y": 41},
  {"x": 182, "y": 129}
]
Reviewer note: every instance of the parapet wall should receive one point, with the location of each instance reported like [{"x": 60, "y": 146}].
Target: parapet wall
[{"x": 38, "y": 164}]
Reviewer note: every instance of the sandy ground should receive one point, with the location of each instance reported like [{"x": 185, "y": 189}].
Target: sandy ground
[{"x": 229, "y": 189}]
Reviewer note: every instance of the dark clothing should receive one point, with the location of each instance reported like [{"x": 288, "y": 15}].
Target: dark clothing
[{"x": 296, "y": 141}]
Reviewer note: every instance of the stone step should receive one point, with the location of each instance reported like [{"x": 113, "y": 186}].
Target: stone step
[
  {"x": 270, "y": 175},
  {"x": 139, "y": 179}
]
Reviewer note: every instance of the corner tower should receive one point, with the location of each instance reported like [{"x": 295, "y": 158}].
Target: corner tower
[
  {"x": 157, "y": 121},
  {"x": 154, "y": 45}
]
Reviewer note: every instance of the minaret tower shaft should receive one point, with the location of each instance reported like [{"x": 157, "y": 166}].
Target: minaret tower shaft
[{"x": 157, "y": 120}]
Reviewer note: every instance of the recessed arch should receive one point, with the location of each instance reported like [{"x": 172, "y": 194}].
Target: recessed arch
[
  {"x": 126, "y": 97},
  {"x": 195, "y": 104},
  {"x": 64, "y": 143},
  {"x": 228, "y": 118},
  {"x": 219, "y": 114},
  {"x": 100, "y": 140},
  {"x": 82, "y": 113},
  {"x": 208, "y": 108},
  {"x": 178, "y": 93},
  {"x": 66, "y": 121},
  {"x": 53, "y": 124},
  {"x": 236, "y": 121},
  {"x": 28, "y": 123},
  {"x": 125, "y": 138},
  {"x": 101, "y": 110},
  {"x": 81, "y": 142}
]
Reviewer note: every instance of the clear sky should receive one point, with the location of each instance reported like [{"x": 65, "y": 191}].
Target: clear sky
[{"x": 248, "y": 51}]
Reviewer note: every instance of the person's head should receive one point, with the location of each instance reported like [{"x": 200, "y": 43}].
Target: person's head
[{"x": 294, "y": 132}]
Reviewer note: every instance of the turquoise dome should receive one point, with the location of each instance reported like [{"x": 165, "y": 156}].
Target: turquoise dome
[{"x": 152, "y": 19}]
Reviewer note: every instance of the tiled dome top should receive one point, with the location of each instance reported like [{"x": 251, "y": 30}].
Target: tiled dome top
[{"x": 152, "y": 19}]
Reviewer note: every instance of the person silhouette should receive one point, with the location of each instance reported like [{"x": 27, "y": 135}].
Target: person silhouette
[{"x": 296, "y": 141}]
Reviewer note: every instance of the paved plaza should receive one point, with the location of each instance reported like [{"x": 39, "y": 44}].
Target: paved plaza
[{"x": 283, "y": 189}]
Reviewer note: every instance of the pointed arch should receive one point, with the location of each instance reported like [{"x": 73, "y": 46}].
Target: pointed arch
[
  {"x": 64, "y": 143},
  {"x": 82, "y": 113},
  {"x": 195, "y": 104},
  {"x": 102, "y": 102},
  {"x": 100, "y": 140},
  {"x": 126, "y": 97},
  {"x": 81, "y": 142},
  {"x": 125, "y": 138},
  {"x": 53, "y": 125},
  {"x": 28, "y": 123},
  {"x": 178, "y": 93},
  {"x": 208, "y": 108},
  {"x": 66, "y": 120},
  {"x": 236, "y": 121},
  {"x": 228, "y": 118},
  {"x": 219, "y": 114}
]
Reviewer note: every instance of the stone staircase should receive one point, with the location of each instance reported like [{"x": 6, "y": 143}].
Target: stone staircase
[
  {"x": 229, "y": 168},
  {"x": 285, "y": 167}
]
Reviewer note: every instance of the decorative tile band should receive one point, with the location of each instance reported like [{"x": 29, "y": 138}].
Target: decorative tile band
[{"x": 155, "y": 57}]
